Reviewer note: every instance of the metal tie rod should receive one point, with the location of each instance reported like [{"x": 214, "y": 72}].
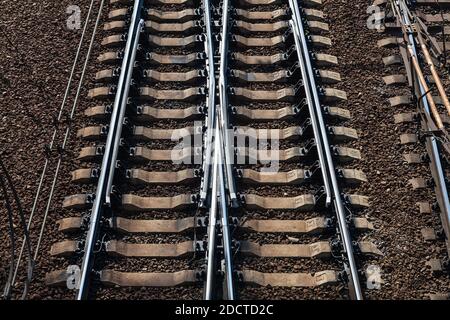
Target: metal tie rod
[
  {"x": 323, "y": 146},
  {"x": 104, "y": 185}
]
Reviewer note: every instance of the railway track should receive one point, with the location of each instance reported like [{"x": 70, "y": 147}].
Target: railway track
[
  {"x": 215, "y": 165},
  {"x": 418, "y": 33}
]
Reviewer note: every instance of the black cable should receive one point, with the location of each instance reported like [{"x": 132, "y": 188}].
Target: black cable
[
  {"x": 8, "y": 285},
  {"x": 24, "y": 227}
]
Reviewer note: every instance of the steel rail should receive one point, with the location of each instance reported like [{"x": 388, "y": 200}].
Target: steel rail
[
  {"x": 219, "y": 202},
  {"x": 226, "y": 154},
  {"x": 226, "y": 234},
  {"x": 220, "y": 184},
  {"x": 208, "y": 166},
  {"x": 104, "y": 186},
  {"x": 323, "y": 146},
  {"x": 224, "y": 106},
  {"x": 211, "y": 270},
  {"x": 52, "y": 141},
  {"x": 436, "y": 165},
  {"x": 211, "y": 102}
]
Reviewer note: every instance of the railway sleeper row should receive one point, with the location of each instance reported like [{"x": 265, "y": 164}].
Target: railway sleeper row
[{"x": 146, "y": 91}]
